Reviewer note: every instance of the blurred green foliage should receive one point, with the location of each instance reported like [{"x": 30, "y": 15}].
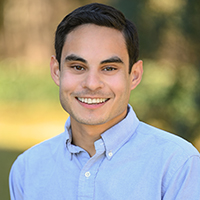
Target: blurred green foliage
[
  {"x": 167, "y": 98},
  {"x": 25, "y": 83},
  {"x": 7, "y": 158}
]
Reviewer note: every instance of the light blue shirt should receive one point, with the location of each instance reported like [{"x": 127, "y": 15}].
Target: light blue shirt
[{"x": 133, "y": 161}]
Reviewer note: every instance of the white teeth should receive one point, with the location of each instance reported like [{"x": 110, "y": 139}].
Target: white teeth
[
  {"x": 94, "y": 101},
  {"x": 91, "y": 101}
]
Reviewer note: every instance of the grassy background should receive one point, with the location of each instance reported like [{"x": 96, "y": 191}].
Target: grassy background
[{"x": 7, "y": 157}]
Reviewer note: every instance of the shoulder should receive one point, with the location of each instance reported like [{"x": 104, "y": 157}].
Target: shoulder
[
  {"x": 168, "y": 149},
  {"x": 164, "y": 149},
  {"x": 34, "y": 165},
  {"x": 43, "y": 152},
  {"x": 166, "y": 140},
  {"x": 171, "y": 154}
]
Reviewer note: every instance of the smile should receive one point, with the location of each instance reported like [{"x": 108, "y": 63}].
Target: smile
[{"x": 92, "y": 101}]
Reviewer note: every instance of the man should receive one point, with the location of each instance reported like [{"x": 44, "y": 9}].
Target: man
[{"x": 105, "y": 153}]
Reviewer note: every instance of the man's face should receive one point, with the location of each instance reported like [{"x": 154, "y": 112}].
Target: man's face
[{"x": 94, "y": 81}]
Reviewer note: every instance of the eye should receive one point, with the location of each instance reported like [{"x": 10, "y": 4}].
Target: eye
[
  {"x": 109, "y": 68},
  {"x": 78, "y": 67}
]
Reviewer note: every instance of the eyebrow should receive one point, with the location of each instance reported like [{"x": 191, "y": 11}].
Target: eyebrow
[
  {"x": 73, "y": 57},
  {"x": 114, "y": 59}
]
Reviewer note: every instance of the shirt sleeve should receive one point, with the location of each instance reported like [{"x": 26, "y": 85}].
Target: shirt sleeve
[
  {"x": 16, "y": 180},
  {"x": 185, "y": 182}
]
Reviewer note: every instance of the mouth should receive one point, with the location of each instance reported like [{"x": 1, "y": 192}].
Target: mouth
[{"x": 92, "y": 100}]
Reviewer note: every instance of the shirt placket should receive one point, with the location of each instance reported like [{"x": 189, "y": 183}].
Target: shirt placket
[{"x": 88, "y": 174}]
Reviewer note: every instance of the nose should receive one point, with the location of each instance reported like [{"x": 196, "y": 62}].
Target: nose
[{"x": 92, "y": 80}]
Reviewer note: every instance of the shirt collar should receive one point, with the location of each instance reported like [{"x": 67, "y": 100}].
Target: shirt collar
[
  {"x": 113, "y": 138},
  {"x": 70, "y": 147}
]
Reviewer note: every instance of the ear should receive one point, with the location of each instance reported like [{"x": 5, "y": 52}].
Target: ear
[
  {"x": 55, "y": 71},
  {"x": 136, "y": 74}
]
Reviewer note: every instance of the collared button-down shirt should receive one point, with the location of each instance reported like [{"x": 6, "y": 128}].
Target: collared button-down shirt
[{"x": 133, "y": 160}]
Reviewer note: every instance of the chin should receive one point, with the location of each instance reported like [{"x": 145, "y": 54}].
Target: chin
[{"x": 92, "y": 122}]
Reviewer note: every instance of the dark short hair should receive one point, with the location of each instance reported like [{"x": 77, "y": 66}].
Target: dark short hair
[{"x": 101, "y": 15}]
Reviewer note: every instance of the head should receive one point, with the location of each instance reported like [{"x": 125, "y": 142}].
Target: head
[
  {"x": 96, "y": 65},
  {"x": 101, "y": 15}
]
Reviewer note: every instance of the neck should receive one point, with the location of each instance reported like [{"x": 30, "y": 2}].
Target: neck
[{"x": 84, "y": 135}]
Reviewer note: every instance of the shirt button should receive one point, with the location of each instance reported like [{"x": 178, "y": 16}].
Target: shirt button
[
  {"x": 87, "y": 174},
  {"x": 110, "y": 154}
]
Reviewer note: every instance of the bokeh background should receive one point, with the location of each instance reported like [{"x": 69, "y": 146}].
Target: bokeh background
[{"x": 168, "y": 97}]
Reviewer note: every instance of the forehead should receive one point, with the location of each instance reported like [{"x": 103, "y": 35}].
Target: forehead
[{"x": 94, "y": 41}]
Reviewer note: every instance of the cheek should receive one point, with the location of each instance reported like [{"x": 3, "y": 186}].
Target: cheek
[
  {"x": 67, "y": 82},
  {"x": 120, "y": 85}
]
